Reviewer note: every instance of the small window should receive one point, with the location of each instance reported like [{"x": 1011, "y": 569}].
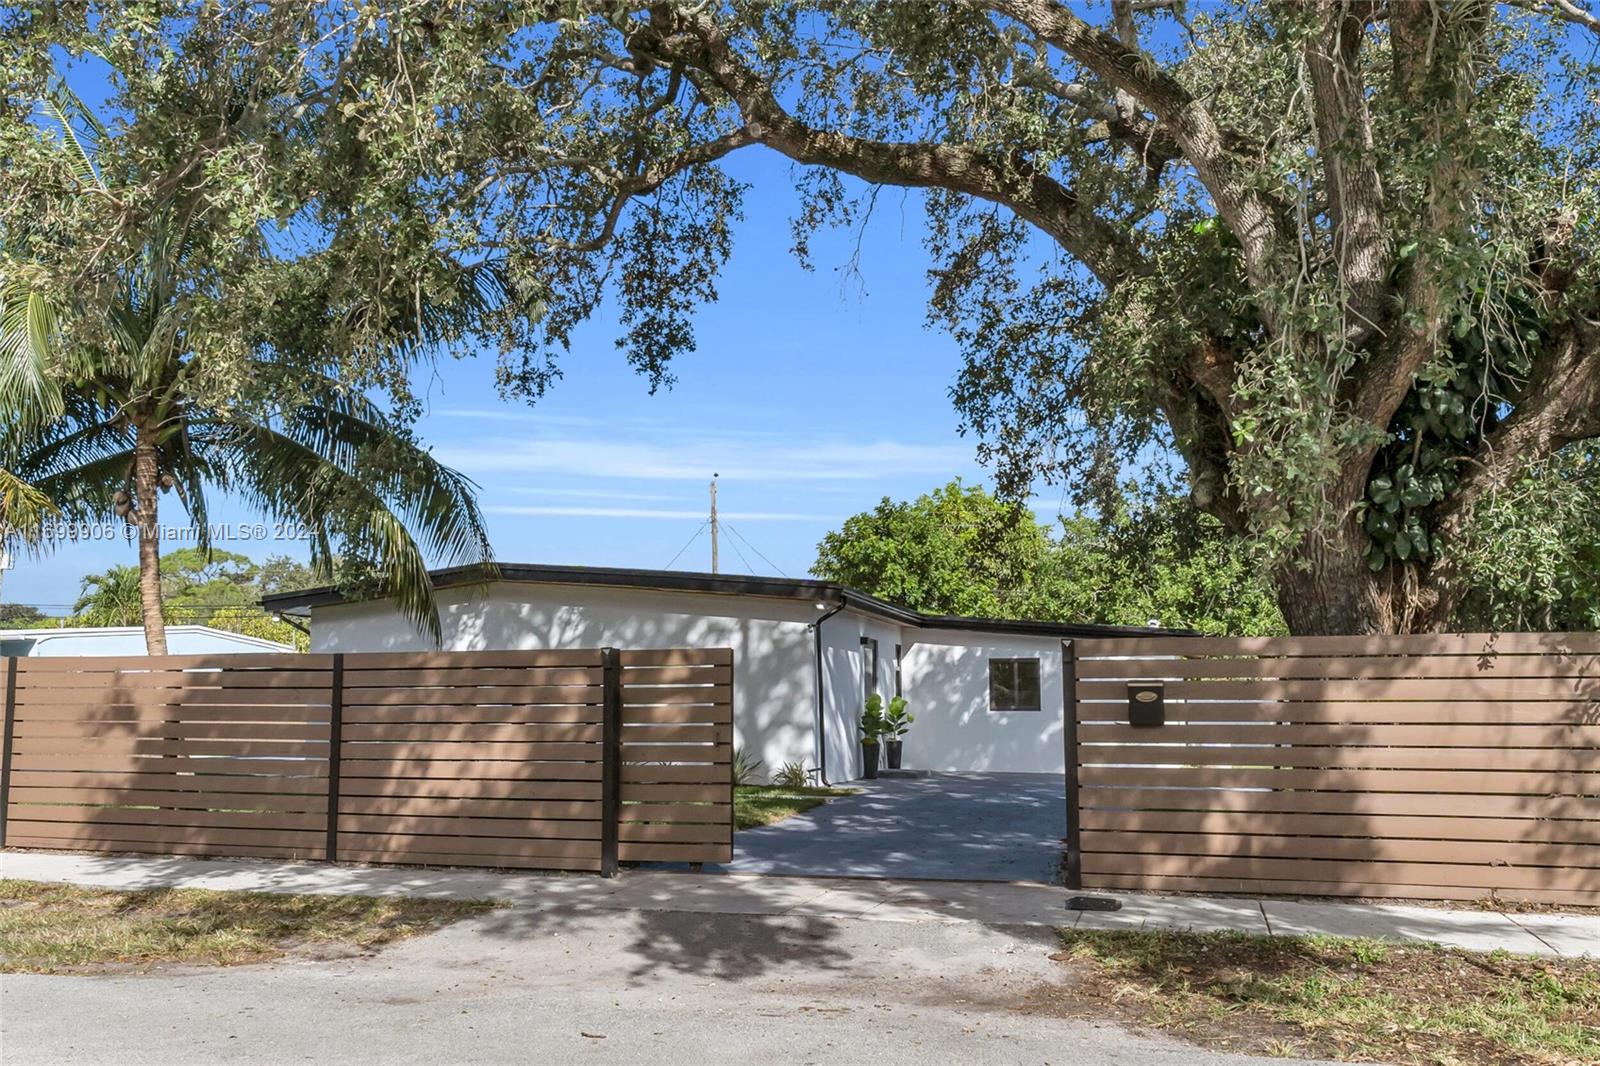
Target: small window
[
  {"x": 898, "y": 689},
  {"x": 869, "y": 667},
  {"x": 1014, "y": 685}
]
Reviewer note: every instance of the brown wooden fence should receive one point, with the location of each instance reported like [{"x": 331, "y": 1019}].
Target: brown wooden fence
[
  {"x": 1440, "y": 766},
  {"x": 507, "y": 759}
]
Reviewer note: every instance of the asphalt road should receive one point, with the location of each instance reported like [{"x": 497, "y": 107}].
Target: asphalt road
[{"x": 546, "y": 986}]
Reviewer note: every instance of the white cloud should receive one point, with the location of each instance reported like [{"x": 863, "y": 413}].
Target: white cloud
[
  {"x": 753, "y": 457},
  {"x": 647, "y": 512},
  {"x": 592, "y": 494}
]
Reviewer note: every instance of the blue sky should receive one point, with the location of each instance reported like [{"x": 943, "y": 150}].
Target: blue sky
[{"x": 812, "y": 394}]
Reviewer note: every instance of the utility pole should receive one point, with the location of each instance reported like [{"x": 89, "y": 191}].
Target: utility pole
[{"x": 713, "y": 523}]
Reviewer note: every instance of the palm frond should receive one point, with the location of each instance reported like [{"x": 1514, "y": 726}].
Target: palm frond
[
  {"x": 23, "y": 509},
  {"x": 68, "y": 110},
  {"x": 29, "y": 393},
  {"x": 300, "y": 477}
]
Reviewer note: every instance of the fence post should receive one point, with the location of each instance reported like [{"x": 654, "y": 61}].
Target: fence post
[
  {"x": 610, "y": 759},
  {"x": 5, "y": 751},
  {"x": 335, "y": 752},
  {"x": 1069, "y": 733}
]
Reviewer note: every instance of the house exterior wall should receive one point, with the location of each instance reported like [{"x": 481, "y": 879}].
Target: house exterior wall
[
  {"x": 843, "y": 665},
  {"x": 774, "y": 671},
  {"x": 945, "y": 674}
]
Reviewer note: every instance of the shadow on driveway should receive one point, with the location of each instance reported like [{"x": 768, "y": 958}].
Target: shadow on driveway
[{"x": 976, "y": 827}]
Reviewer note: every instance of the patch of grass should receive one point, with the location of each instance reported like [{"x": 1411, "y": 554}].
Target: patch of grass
[
  {"x": 49, "y": 928},
  {"x": 1323, "y": 997},
  {"x": 756, "y": 805}
]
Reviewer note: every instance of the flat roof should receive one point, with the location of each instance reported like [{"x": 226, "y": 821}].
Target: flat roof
[{"x": 728, "y": 585}]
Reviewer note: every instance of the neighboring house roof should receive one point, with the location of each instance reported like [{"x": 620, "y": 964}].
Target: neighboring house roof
[
  {"x": 96, "y": 640},
  {"x": 730, "y": 585}
]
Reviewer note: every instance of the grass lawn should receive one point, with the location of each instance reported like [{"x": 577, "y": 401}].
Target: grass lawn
[
  {"x": 47, "y": 928},
  {"x": 755, "y": 805},
  {"x": 1321, "y": 997}
]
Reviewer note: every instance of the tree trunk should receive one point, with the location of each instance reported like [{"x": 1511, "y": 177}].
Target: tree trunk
[
  {"x": 1327, "y": 588},
  {"x": 147, "y": 492}
]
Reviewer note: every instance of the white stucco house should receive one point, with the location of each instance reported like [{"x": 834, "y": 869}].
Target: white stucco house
[{"x": 986, "y": 692}]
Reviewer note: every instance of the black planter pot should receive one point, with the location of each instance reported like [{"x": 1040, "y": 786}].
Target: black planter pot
[
  {"x": 869, "y": 760},
  {"x": 894, "y": 754}
]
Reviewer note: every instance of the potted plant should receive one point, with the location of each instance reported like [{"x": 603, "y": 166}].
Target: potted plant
[
  {"x": 896, "y": 723},
  {"x": 872, "y": 726}
]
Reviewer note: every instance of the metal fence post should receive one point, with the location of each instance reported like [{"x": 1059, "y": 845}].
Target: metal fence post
[
  {"x": 5, "y": 752},
  {"x": 610, "y": 759},
  {"x": 335, "y": 752},
  {"x": 1069, "y": 733}
]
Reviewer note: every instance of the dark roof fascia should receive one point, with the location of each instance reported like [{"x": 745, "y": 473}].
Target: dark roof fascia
[{"x": 725, "y": 584}]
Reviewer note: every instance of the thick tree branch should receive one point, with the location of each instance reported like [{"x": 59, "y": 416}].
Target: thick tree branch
[
  {"x": 1345, "y": 147},
  {"x": 1565, "y": 10},
  {"x": 1144, "y": 138},
  {"x": 1432, "y": 49},
  {"x": 1561, "y": 407},
  {"x": 698, "y": 42},
  {"x": 1249, "y": 213}
]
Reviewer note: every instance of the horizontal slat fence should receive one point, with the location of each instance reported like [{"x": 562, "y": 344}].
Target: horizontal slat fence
[
  {"x": 1439, "y": 766},
  {"x": 497, "y": 759},
  {"x": 677, "y": 756},
  {"x": 218, "y": 755},
  {"x": 472, "y": 759}
]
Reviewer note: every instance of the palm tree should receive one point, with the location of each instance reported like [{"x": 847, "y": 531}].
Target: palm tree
[
  {"x": 110, "y": 599},
  {"x": 110, "y": 405}
]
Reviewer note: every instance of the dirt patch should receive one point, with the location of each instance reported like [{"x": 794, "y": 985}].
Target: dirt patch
[{"x": 1318, "y": 997}]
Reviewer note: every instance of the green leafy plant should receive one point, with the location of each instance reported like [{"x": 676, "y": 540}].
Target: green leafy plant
[
  {"x": 897, "y": 720},
  {"x": 745, "y": 767},
  {"x": 791, "y": 775},
  {"x": 872, "y": 723}
]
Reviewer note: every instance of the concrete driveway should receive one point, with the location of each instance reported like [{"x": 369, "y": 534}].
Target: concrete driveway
[{"x": 972, "y": 827}]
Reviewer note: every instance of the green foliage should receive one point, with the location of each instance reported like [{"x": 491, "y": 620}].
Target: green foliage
[
  {"x": 1442, "y": 422},
  {"x": 17, "y": 615},
  {"x": 254, "y": 622},
  {"x": 1530, "y": 560},
  {"x": 791, "y": 775},
  {"x": 956, "y": 550},
  {"x": 897, "y": 720},
  {"x": 746, "y": 767},
  {"x": 218, "y": 589},
  {"x": 268, "y": 409},
  {"x": 960, "y": 551},
  {"x": 872, "y": 725},
  {"x": 374, "y": 182},
  {"x": 110, "y": 599}
]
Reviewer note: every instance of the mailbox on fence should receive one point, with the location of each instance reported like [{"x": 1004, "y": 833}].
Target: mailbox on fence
[{"x": 1147, "y": 703}]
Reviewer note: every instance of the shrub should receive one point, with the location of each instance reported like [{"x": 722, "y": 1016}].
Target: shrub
[
  {"x": 745, "y": 767},
  {"x": 792, "y": 775}
]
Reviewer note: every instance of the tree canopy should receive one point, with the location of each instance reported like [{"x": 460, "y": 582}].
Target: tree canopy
[
  {"x": 1335, "y": 258},
  {"x": 117, "y": 392},
  {"x": 958, "y": 550},
  {"x": 214, "y": 588}
]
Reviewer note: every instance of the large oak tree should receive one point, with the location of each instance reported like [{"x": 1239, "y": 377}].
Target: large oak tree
[{"x": 1337, "y": 256}]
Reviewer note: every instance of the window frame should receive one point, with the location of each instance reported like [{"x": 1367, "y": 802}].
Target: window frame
[
  {"x": 869, "y": 667},
  {"x": 1016, "y": 684}
]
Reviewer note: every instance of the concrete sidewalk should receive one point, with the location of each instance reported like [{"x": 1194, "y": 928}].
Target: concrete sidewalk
[{"x": 990, "y": 904}]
